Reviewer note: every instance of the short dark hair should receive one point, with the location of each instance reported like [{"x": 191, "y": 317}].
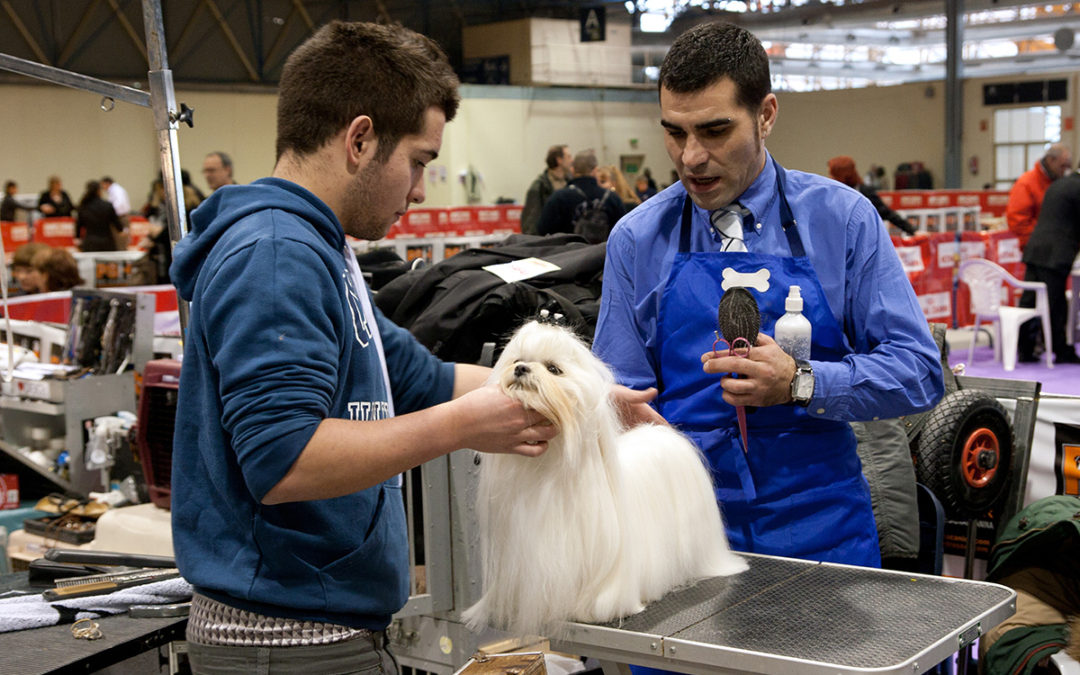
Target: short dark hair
[
  {"x": 226, "y": 161},
  {"x": 555, "y": 153},
  {"x": 710, "y": 51},
  {"x": 10, "y": 184},
  {"x": 347, "y": 69}
]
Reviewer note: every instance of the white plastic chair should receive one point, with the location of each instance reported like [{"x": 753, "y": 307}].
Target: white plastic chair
[{"x": 984, "y": 278}]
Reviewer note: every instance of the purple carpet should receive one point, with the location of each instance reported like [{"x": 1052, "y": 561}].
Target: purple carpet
[{"x": 1061, "y": 379}]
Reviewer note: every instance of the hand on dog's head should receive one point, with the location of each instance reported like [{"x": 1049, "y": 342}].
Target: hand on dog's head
[{"x": 551, "y": 371}]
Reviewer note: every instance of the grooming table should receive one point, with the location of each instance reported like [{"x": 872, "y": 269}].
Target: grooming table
[
  {"x": 52, "y": 649},
  {"x": 792, "y": 616}
]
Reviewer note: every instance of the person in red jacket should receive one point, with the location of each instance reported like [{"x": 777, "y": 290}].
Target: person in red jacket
[{"x": 1026, "y": 195}]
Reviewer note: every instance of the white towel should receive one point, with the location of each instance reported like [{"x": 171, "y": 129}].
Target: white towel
[{"x": 32, "y": 611}]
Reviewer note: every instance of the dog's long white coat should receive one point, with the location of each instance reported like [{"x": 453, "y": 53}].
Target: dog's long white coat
[{"x": 606, "y": 520}]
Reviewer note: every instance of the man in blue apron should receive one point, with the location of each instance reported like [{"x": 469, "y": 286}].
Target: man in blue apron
[{"x": 798, "y": 490}]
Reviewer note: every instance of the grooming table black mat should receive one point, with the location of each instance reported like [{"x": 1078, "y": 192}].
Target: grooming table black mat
[
  {"x": 52, "y": 649},
  {"x": 792, "y": 616}
]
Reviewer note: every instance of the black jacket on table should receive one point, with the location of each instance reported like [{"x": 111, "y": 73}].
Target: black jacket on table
[{"x": 558, "y": 213}]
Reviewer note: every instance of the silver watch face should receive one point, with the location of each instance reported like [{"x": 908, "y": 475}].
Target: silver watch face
[{"x": 804, "y": 386}]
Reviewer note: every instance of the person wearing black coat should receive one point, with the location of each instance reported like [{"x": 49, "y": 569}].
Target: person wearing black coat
[
  {"x": 1049, "y": 257},
  {"x": 55, "y": 202},
  {"x": 97, "y": 223},
  {"x": 560, "y": 211}
]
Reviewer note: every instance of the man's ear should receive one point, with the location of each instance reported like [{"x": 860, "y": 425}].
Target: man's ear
[
  {"x": 767, "y": 114},
  {"x": 360, "y": 140}
]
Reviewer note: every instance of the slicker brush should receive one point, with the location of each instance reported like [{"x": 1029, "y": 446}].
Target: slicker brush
[{"x": 738, "y": 316}]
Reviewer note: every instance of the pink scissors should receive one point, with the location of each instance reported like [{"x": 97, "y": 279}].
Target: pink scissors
[{"x": 740, "y": 346}]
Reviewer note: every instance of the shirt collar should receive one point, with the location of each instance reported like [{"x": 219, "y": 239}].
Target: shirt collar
[{"x": 758, "y": 199}]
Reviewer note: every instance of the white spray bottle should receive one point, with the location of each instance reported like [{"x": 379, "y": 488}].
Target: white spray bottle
[{"x": 792, "y": 331}]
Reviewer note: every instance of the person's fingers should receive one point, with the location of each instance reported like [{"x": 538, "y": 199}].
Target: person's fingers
[
  {"x": 636, "y": 395},
  {"x": 531, "y": 449}
]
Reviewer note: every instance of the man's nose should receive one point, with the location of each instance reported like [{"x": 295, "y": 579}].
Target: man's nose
[
  {"x": 694, "y": 153},
  {"x": 417, "y": 195}
]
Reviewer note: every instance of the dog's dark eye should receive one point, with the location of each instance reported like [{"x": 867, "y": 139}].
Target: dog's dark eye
[{"x": 553, "y": 369}]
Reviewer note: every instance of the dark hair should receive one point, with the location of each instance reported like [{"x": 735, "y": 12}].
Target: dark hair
[
  {"x": 344, "y": 70},
  {"x": 60, "y": 269},
  {"x": 555, "y": 153},
  {"x": 93, "y": 190},
  {"x": 107, "y": 179},
  {"x": 8, "y": 185},
  {"x": 226, "y": 161},
  {"x": 710, "y": 51}
]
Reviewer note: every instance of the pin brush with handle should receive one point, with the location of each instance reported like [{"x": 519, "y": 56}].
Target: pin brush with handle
[{"x": 739, "y": 321}]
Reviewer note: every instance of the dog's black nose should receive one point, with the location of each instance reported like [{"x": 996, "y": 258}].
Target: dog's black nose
[{"x": 520, "y": 370}]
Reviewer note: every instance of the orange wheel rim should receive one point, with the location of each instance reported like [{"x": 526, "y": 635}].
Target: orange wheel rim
[{"x": 980, "y": 441}]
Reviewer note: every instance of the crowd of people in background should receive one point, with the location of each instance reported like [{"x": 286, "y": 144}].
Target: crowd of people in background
[
  {"x": 594, "y": 181},
  {"x": 102, "y": 216}
]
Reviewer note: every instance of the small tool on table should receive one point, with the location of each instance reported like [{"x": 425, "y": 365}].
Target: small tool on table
[
  {"x": 739, "y": 322},
  {"x": 135, "y": 570}
]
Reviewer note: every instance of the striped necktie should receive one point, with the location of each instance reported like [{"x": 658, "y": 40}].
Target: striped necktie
[{"x": 729, "y": 224}]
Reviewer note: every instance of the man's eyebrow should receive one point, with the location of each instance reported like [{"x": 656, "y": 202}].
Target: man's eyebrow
[{"x": 710, "y": 124}]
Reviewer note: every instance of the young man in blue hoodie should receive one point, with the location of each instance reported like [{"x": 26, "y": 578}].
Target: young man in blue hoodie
[{"x": 300, "y": 404}]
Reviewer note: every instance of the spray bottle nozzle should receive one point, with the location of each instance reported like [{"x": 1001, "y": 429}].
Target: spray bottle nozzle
[{"x": 794, "y": 301}]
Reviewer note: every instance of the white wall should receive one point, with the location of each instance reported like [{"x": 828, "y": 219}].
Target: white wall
[
  {"x": 506, "y": 139},
  {"x": 502, "y": 132},
  {"x": 47, "y": 129}
]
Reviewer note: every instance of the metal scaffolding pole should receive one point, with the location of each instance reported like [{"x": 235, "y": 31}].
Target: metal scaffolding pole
[
  {"x": 166, "y": 120},
  {"x": 954, "y": 92}
]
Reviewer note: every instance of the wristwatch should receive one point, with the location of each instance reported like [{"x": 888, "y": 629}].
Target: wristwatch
[{"x": 802, "y": 384}]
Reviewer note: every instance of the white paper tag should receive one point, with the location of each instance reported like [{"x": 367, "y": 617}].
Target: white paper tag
[{"x": 517, "y": 270}]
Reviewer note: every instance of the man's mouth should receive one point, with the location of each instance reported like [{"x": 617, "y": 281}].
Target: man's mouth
[{"x": 702, "y": 183}]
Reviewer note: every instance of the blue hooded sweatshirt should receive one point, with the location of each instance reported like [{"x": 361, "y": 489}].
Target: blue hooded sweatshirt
[{"x": 277, "y": 342}]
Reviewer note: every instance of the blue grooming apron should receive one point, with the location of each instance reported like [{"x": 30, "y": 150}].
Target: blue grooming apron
[{"x": 799, "y": 491}]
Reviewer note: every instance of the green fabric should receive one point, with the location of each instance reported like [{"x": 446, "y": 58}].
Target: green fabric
[
  {"x": 1044, "y": 534},
  {"x": 1021, "y": 649}
]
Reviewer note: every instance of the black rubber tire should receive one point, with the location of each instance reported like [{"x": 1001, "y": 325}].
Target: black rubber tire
[{"x": 964, "y": 434}]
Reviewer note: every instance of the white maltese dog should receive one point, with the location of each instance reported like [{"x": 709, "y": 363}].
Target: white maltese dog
[{"x": 604, "y": 522}]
